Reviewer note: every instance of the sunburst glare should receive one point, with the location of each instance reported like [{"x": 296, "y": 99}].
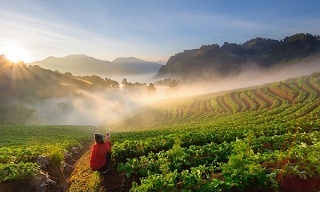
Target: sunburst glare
[{"x": 15, "y": 53}]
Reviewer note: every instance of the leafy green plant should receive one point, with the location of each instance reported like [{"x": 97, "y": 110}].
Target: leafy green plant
[
  {"x": 13, "y": 171},
  {"x": 242, "y": 170},
  {"x": 21, "y": 145},
  {"x": 56, "y": 155}
]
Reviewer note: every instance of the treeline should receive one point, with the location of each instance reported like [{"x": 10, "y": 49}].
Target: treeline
[{"x": 210, "y": 61}]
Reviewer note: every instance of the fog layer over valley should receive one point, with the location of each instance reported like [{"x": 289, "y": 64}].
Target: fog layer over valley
[
  {"x": 250, "y": 76},
  {"x": 40, "y": 96},
  {"x": 37, "y": 95},
  {"x": 108, "y": 106}
]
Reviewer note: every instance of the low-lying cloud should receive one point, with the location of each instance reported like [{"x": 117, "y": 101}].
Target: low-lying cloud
[{"x": 108, "y": 106}]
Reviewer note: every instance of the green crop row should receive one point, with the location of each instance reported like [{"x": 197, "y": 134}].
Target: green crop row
[
  {"x": 20, "y": 147},
  {"x": 244, "y": 140}
]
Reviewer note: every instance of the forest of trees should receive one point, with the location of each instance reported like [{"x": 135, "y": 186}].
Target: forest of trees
[{"x": 213, "y": 60}]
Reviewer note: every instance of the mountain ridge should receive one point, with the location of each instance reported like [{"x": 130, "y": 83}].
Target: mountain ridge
[
  {"x": 210, "y": 61},
  {"x": 80, "y": 64}
]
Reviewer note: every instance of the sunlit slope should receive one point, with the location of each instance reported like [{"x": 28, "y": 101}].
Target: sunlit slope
[{"x": 292, "y": 100}]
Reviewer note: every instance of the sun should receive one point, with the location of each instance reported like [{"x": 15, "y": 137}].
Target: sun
[{"x": 15, "y": 53}]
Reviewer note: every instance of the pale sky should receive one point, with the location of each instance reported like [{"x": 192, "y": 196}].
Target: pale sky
[{"x": 146, "y": 29}]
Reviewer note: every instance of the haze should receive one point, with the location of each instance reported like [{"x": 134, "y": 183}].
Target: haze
[{"x": 112, "y": 106}]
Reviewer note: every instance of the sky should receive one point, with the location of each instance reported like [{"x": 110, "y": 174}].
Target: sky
[{"x": 151, "y": 30}]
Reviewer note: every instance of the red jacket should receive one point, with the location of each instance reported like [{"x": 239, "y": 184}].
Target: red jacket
[
  {"x": 98, "y": 155},
  {"x": 109, "y": 143}
]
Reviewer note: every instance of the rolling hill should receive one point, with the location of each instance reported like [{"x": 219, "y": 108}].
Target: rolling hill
[{"x": 28, "y": 92}]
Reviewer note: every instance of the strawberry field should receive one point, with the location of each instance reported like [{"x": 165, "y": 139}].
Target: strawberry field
[
  {"x": 255, "y": 139},
  {"x": 20, "y": 147},
  {"x": 263, "y": 138}
]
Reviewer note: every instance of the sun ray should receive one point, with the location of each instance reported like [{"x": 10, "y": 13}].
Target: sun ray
[{"x": 15, "y": 53}]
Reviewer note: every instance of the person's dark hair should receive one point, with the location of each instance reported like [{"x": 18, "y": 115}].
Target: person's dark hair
[{"x": 98, "y": 138}]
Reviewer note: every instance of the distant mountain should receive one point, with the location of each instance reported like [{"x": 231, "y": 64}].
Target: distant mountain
[
  {"x": 29, "y": 94},
  {"x": 84, "y": 65},
  {"x": 34, "y": 83},
  {"x": 139, "y": 66},
  {"x": 210, "y": 61}
]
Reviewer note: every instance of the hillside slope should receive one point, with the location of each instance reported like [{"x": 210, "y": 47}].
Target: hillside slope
[
  {"x": 262, "y": 138},
  {"x": 301, "y": 91},
  {"x": 212, "y": 61},
  {"x": 30, "y": 94}
]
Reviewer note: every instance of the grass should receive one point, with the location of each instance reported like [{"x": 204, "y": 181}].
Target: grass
[{"x": 83, "y": 179}]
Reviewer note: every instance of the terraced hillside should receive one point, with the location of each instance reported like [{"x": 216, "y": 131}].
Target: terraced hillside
[
  {"x": 264, "y": 138},
  {"x": 296, "y": 96}
]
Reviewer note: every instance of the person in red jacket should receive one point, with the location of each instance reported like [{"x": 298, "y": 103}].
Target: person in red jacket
[
  {"x": 98, "y": 155},
  {"x": 108, "y": 141}
]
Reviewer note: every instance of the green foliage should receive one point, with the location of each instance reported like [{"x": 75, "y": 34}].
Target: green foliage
[
  {"x": 211, "y": 145},
  {"x": 56, "y": 155},
  {"x": 242, "y": 170},
  {"x": 17, "y": 171},
  {"x": 21, "y": 145}
]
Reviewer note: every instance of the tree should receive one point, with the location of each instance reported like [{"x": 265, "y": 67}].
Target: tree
[
  {"x": 151, "y": 88},
  {"x": 68, "y": 74},
  {"x": 124, "y": 81}
]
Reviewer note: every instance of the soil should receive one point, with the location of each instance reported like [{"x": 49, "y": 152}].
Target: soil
[
  {"x": 291, "y": 183},
  {"x": 17, "y": 186},
  {"x": 113, "y": 181}
]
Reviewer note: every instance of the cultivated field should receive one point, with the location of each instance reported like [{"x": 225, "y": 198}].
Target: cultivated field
[
  {"x": 264, "y": 138},
  {"x": 23, "y": 149}
]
